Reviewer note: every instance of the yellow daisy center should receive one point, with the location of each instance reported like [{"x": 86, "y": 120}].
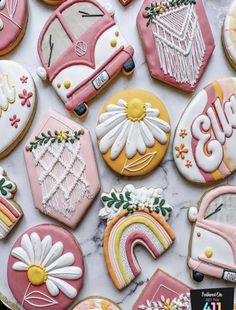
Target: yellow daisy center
[
  {"x": 37, "y": 274},
  {"x": 136, "y": 110}
]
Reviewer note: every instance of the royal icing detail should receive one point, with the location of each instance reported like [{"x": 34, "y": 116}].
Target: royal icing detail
[
  {"x": 206, "y": 153},
  {"x": 163, "y": 292},
  {"x": 98, "y": 303},
  {"x": 51, "y": 275},
  {"x": 17, "y": 104},
  {"x": 13, "y": 17},
  {"x": 177, "y": 40},
  {"x": 212, "y": 244},
  {"x": 77, "y": 41},
  {"x": 10, "y": 212},
  {"x": 141, "y": 224},
  {"x": 228, "y": 34},
  {"x": 125, "y": 2},
  {"x": 60, "y": 153},
  {"x": 130, "y": 131}
]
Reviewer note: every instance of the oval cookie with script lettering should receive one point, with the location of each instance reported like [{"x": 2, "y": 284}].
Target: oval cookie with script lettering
[
  {"x": 205, "y": 139},
  {"x": 133, "y": 132}
]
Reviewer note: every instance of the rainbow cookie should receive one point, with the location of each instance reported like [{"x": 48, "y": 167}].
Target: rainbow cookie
[
  {"x": 17, "y": 104},
  {"x": 164, "y": 292},
  {"x": 13, "y": 21},
  {"x": 62, "y": 168},
  {"x": 135, "y": 217},
  {"x": 204, "y": 142},
  {"x": 10, "y": 211},
  {"x": 96, "y": 303},
  {"x": 212, "y": 243},
  {"x": 133, "y": 132},
  {"x": 48, "y": 263},
  {"x": 177, "y": 41},
  {"x": 82, "y": 50}
]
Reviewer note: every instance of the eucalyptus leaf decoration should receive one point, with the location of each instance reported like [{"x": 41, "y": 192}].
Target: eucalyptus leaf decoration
[
  {"x": 157, "y": 9},
  {"x": 56, "y": 137},
  {"x": 7, "y": 188},
  {"x": 115, "y": 202}
]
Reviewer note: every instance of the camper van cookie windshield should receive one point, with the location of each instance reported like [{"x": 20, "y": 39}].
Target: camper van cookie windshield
[{"x": 82, "y": 49}]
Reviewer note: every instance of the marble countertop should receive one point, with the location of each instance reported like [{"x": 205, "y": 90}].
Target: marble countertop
[{"x": 177, "y": 191}]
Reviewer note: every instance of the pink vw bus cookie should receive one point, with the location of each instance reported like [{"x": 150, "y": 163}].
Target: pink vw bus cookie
[
  {"x": 81, "y": 49},
  {"x": 177, "y": 41},
  {"x": 212, "y": 248},
  {"x": 204, "y": 142}
]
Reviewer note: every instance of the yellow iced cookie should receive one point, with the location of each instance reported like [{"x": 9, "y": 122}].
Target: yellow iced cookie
[{"x": 133, "y": 132}]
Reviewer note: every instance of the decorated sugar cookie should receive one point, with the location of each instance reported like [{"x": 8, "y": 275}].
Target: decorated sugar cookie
[
  {"x": 96, "y": 303},
  {"x": 204, "y": 142},
  {"x": 164, "y": 292},
  {"x": 48, "y": 263},
  {"x": 228, "y": 34},
  {"x": 62, "y": 168},
  {"x": 133, "y": 132},
  {"x": 13, "y": 20},
  {"x": 134, "y": 217},
  {"x": 17, "y": 104},
  {"x": 212, "y": 244},
  {"x": 177, "y": 41},
  {"x": 53, "y": 2},
  {"x": 10, "y": 211},
  {"x": 82, "y": 50}
]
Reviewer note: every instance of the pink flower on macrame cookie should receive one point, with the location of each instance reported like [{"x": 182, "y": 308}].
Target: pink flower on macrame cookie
[
  {"x": 181, "y": 151},
  {"x": 188, "y": 164},
  {"x": 25, "y": 98},
  {"x": 14, "y": 120},
  {"x": 24, "y": 79},
  {"x": 183, "y": 133}
]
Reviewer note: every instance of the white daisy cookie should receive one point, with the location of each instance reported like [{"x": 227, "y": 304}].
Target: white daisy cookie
[
  {"x": 47, "y": 262},
  {"x": 133, "y": 132}
]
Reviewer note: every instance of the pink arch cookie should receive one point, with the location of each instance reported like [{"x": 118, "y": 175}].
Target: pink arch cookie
[
  {"x": 47, "y": 263},
  {"x": 13, "y": 19}
]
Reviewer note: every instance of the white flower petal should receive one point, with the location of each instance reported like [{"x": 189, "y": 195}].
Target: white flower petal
[
  {"x": 114, "y": 107},
  {"x": 69, "y": 273},
  {"x": 141, "y": 147},
  {"x": 147, "y": 135},
  {"x": 46, "y": 245},
  {"x": 52, "y": 288},
  {"x": 120, "y": 141},
  {"x": 122, "y": 103},
  {"x": 107, "y": 141},
  {"x": 28, "y": 247},
  {"x": 36, "y": 243},
  {"x": 152, "y": 112},
  {"x": 63, "y": 261},
  {"x": 21, "y": 254},
  {"x": 107, "y": 115},
  {"x": 20, "y": 266},
  {"x": 65, "y": 287},
  {"x": 158, "y": 134},
  {"x": 160, "y": 123},
  {"x": 54, "y": 253},
  {"x": 131, "y": 146},
  {"x": 105, "y": 127}
]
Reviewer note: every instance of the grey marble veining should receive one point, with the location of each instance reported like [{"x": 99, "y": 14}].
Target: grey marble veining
[{"x": 178, "y": 192}]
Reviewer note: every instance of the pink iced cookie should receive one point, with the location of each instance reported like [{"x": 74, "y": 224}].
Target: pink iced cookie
[
  {"x": 164, "y": 292},
  {"x": 62, "y": 168},
  {"x": 47, "y": 264},
  {"x": 177, "y": 41},
  {"x": 96, "y": 303},
  {"x": 13, "y": 20}
]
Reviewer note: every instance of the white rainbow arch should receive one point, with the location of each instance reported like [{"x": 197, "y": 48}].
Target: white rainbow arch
[{"x": 123, "y": 233}]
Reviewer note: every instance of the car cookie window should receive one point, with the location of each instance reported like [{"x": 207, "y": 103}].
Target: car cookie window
[
  {"x": 81, "y": 16},
  {"x": 222, "y": 209},
  {"x": 54, "y": 43}
]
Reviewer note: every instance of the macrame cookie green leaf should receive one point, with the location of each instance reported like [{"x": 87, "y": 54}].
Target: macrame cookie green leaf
[
  {"x": 56, "y": 137},
  {"x": 6, "y": 188}
]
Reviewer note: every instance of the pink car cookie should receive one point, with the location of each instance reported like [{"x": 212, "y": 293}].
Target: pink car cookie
[
  {"x": 13, "y": 20},
  {"x": 81, "y": 50},
  {"x": 177, "y": 41},
  {"x": 164, "y": 292},
  {"x": 47, "y": 264},
  {"x": 62, "y": 168}
]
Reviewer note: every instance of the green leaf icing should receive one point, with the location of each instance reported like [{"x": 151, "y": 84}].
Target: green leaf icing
[
  {"x": 131, "y": 199},
  {"x": 7, "y": 187},
  {"x": 56, "y": 137}
]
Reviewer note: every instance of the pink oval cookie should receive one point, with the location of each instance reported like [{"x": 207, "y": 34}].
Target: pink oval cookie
[
  {"x": 13, "y": 19},
  {"x": 47, "y": 262}
]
